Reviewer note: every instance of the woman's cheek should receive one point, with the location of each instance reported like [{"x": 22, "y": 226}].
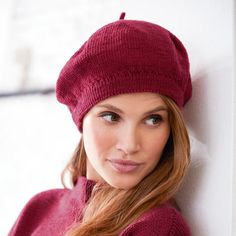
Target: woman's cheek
[
  {"x": 155, "y": 143},
  {"x": 101, "y": 136}
]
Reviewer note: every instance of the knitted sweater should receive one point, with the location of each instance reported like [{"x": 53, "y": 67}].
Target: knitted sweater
[{"x": 50, "y": 213}]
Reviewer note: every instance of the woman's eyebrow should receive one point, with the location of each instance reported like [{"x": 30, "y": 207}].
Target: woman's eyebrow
[
  {"x": 116, "y": 109},
  {"x": 157, "y": 109},
  {"x": 110, "y": 107}
]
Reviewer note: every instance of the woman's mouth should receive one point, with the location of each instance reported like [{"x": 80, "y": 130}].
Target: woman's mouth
[{"x": 123, "y": 166}]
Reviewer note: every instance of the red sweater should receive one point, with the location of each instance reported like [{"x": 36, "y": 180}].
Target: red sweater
[{"x": 50, "y": 213}]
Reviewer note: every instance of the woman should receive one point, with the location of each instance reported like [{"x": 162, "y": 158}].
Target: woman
[{"x": 125, "y": 88}]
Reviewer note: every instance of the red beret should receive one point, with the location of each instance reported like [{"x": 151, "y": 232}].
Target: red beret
[{"x": 126, "y": 56}]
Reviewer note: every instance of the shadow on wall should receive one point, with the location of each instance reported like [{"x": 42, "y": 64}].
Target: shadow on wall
[
  {"x": 196, "y": 114},
  {"x": 205, "y": 196}
]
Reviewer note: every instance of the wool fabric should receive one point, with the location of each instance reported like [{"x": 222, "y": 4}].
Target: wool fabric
[
  {"x": 51, "y": 213},
  {"x": 125, "y": 56}
]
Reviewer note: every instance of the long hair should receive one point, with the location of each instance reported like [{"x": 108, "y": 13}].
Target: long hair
[{"x": 110, "y": 210}]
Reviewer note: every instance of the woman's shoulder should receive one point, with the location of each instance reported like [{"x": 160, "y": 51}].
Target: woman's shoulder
[
  {"x": 52, "y": 211},
  {"x": 165, "y": 220},
  {"x": 36, "y": 209},
  {"x": 46, "y": 198}
]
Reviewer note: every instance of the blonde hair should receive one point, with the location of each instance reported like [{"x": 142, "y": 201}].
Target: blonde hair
[{"x": 110, "y": 210}]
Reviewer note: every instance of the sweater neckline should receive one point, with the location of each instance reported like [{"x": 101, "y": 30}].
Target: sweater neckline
[{"x": 83, "y": 189}]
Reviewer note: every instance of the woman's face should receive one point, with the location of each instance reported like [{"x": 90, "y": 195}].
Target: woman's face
[{"x": 124, "y": 137}]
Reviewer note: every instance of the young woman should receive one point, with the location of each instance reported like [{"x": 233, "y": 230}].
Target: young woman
[{"x": 125, "y": 88}]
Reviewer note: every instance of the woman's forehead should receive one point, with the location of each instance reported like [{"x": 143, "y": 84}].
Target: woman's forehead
[
  {"x": 137, "y": 98},
  {"x": 138, "y": 103}
]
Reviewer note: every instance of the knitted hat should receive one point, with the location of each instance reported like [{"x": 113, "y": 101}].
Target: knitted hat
[{"x": 126, "y": 56}]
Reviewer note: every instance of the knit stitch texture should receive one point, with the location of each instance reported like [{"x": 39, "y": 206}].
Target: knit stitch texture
[
  {"x": 126, "y": 56},
  {"x": 52, "y": 212}
]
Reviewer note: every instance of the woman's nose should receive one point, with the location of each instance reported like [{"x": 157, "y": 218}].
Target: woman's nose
[{"x": 128, "y": 140}]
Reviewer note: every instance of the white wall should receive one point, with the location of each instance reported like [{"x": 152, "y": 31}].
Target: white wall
[
  {"x": 234, "y": 131},
  {"x": 37, "y": 135}
]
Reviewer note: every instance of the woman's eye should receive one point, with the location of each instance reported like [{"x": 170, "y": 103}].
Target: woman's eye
[
  {"x": 154, "y": 120},
  {"x": 110, "y": 116}
]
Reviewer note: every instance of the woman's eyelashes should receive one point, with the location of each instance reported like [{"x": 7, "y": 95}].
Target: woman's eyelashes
[
  {"x": 112, "y": 117},
  {"x": 109, "y": 116},
  {"x": 154, "y": 120}
]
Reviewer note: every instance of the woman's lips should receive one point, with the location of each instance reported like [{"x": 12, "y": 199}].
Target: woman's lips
[{"x": 124, "y": 166}]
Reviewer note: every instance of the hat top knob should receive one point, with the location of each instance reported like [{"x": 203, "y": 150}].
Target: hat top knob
[{"x": 122, "y": 16}]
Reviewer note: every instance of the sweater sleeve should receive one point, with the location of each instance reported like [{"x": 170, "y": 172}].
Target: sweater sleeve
[{"x": 158, "y": 222}]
